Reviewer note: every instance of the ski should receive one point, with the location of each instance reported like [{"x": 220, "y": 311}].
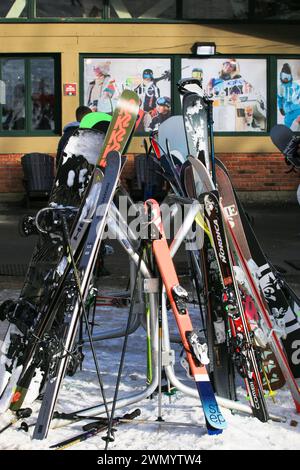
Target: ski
[
  {"x": 221, "y": 368},
  {"x": 282, "y": 306},
  {"x": 198, "y": 121},
  {"x": 81, "y": 144},
  {"x": 244, "y": 355},
  {"x": 271, "y": 332},
  {"x": 73, "y": 306},
  {"x": 122, "y": 125},
  {"x": 195, "y": 349}
]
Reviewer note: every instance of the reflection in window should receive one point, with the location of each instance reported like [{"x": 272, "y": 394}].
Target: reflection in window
[
  {"x": 127, "y": 9},
  {"x": 42, "y": 93},
  {"x": 13, "y": 109},
  {"x": 13, "y": 8},
  {"x": 211, "y": 9},
  {"x": 287, "y": 10},
  {"x": 69, "y": 8}
]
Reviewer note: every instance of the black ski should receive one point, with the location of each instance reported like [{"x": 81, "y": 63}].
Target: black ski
[{"x": 74, "y": 307}]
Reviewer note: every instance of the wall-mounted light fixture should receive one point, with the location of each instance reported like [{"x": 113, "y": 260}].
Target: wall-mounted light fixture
[{"x": 204, "y": 48}]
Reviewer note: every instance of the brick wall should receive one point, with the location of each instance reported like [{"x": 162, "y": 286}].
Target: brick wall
[
  {"x": 249, "y": 172},
  {"x": 260, "y": 172},
  {"x": 11, "y": 173}
]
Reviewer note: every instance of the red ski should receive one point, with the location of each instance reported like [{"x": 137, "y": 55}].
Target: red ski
[{"x": 195, "y": 349}]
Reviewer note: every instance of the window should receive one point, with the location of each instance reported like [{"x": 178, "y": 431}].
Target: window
[
  {"x": 13, "y": 100},
  {"x": 105, "y": 78},
  {"x": 13, "y": 9},
  {"x": 218, "y": 9},
  {"x": 238, "y": 87},
  {"x": 27, "y": 92},
  {"x": 143, "y": 9},
  {"x": 287, "y": 10},
  {"x": 156, "y": 10},
  {"x": 70, "y": 9},
  {"x": 288, "y": 93}
]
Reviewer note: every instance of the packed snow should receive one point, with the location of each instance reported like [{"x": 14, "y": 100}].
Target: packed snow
[{"x": 82, "y": 391}]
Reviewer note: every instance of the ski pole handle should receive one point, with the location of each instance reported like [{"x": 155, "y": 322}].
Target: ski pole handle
[
  {"x": 102, "y": 421},
  {"x": 132, "y": 415},
  {"x": 23, "y": 413}
]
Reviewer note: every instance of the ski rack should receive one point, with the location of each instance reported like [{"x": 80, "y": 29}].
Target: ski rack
[{"x": 127, "y": 239}]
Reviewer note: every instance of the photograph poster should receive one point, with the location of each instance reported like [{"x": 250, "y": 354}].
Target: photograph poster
[
  {"x": 106, "y": 78},
  {"x": 288, "y": 93},
  {"x": 238, "y": 88}
]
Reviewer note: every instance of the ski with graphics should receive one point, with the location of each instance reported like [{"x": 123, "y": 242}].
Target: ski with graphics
[
  {"x": 244, "y": 354},
  {"x": 77, "y": 295},
  {"x": 195, "y": 348}
]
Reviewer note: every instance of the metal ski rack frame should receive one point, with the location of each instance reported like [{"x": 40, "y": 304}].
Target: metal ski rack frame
[{"x": 122, "y": 231}]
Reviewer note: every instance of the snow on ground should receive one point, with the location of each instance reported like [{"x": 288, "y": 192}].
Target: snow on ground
[{"x": 82, "y": 390}]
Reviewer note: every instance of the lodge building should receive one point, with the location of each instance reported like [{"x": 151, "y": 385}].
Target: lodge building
[{"x": 57, "y": 54}]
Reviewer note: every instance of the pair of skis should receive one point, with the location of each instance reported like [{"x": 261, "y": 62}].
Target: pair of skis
[
  {"x": 237, "y": 328},
  {"x": 269, "y": 320}
]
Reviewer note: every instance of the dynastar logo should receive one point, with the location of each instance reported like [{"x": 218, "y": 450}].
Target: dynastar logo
[
  {"x": 254, "y": 395},
  {"x": 222, "y": 255},
  {"x": 118, "y": 133}
]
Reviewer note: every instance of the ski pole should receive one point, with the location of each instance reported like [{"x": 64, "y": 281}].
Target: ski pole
[
  {"x": 20, "y": 414},
  {"x": 93, "y": 429}
]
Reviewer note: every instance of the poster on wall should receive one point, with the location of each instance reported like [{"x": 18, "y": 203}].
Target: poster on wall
[
  {"x": 106, "y": 78},
  {"x": 238, "y": 88},
  {"x": 288, "y": 93}
]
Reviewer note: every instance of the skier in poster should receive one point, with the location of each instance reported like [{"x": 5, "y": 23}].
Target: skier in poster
[
  {"x": 288, "y": 98},
  {"x": 229, "y": 82},
  {"x": 148, "y": 91},
  {"x": 102, "y": 90},
  {"x": 159, "y": 115}
]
